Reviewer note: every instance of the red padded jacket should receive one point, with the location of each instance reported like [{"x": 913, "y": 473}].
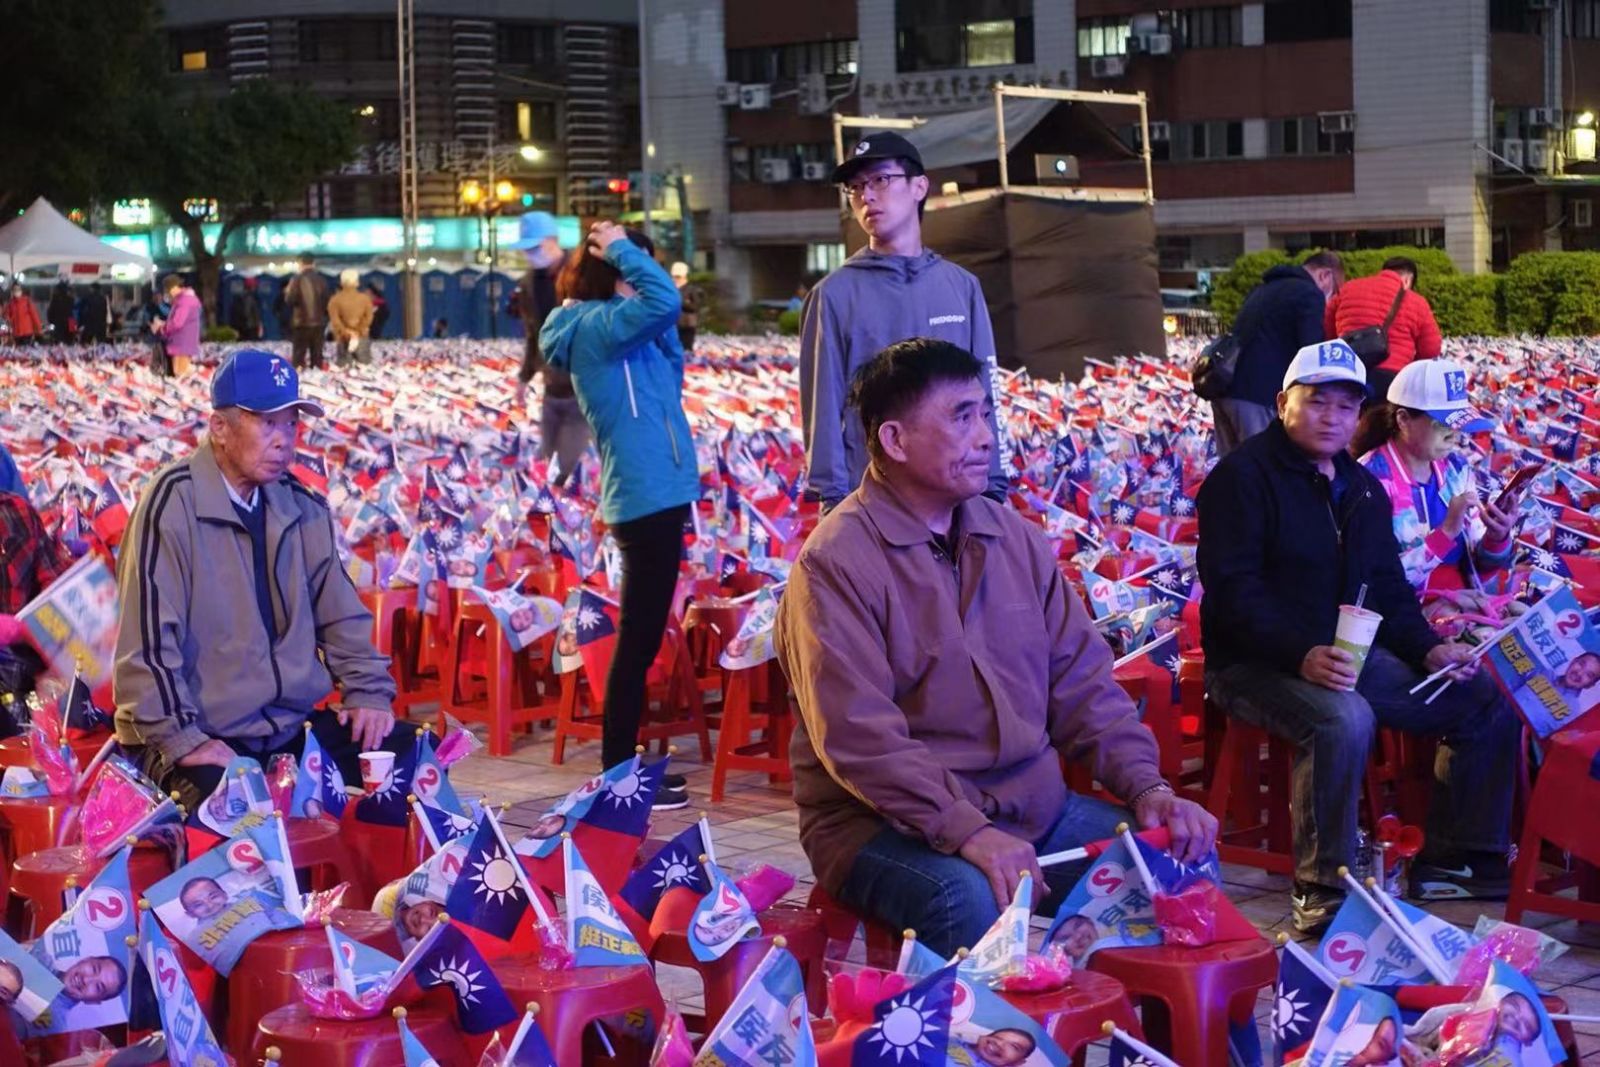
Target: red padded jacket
[{"x": 1366, "y": 302}]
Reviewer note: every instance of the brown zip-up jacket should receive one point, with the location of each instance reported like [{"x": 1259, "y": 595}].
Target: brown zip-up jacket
[{"x": 935, "y": 694}]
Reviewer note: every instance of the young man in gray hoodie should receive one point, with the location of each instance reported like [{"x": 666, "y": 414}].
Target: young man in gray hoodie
[{"x": 890, "y": 291}]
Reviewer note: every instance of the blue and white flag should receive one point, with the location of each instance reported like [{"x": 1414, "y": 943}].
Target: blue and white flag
[
  {"x": 23, "y": 782},
  {"x": 319, "y": 788},
  {"x": 722, "y": 919},
  {"x": 1126, "y": 1052},
  {"x": 454, "y": 961},
  {"x": 412, "y": 1048},
  {"x": 357, "y": 967},
  {"x": 1360, "y": 1026},
  {"x": 87, "y": 949},
  {"x": 767, "y": 1023},
  {"x": 440, "y": 826},
  {"x": 986, "y": 1028},
  {"x": 1003, "y": 949},
  {"x": 240, "y": 801},
  {"x": 1524, "y": 1034},
  {"x": 1108, "y": 908},
  {"x": 491, "y": 893},
  {"x": 431, "y": 782},
  {"x": 423, "y": 894},
  {"x": 1299, "y": 1000},
  {"x": 528, "y": 1046},
  {"x": 912, "y": 1028},
  {"x": 190, "y": 1042},
  {"x": 1362, "y": 946},
  {"x": 596, "y": 934}
]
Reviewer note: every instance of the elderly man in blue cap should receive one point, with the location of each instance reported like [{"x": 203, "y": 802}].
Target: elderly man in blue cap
[
  {"x": 237, "y": 617},
  {"x": 563, "y": 433}
]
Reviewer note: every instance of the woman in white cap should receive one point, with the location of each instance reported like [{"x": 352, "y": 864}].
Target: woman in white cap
[{"x": 1409, "y": 442}]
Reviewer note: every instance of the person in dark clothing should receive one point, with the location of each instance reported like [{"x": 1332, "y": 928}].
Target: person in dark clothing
[
  {"x": 244, "y": 314},
  {"x": 563, "y": 431},
  {"x": 94, "y": 316},
  {"x": 58, "y": 313},
  {"x": 1291, "y": 528},
  {"x": 689, "y": 317},
  {"x": 306, "y": 296},
  {"x": 380, "y": 309},
  {"x": 1280, "y": 316}
]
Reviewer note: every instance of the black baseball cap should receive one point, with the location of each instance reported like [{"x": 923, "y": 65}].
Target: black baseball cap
[{"x": 873, "y": 148}]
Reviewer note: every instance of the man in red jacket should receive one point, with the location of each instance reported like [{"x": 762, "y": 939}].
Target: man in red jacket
[{"x": 1366, "y": 301}]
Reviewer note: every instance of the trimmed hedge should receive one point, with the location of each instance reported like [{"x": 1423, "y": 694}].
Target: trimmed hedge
[
  {"x": 788, "y": 322},
  {"x": 1553, "y": 294},
  {"x": 219, "y": 334}
]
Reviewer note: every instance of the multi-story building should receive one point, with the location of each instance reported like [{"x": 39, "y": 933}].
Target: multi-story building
[
  {"x": 1459, "y": 124},
  {"x": 541, "y": 93}
]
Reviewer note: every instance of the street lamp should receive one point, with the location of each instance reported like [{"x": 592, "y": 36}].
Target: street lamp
[
  {"x": 471, "y": 193},
  {"x": 531, "y": 152},
  {"x": 503, "y": 191},
  {"x": 1581, "y": 138}
]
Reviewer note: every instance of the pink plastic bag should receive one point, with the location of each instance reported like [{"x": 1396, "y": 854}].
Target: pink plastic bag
[
  {"x": 765, "y": 885},
  {"x": 1040, "y": 973},
  {"x": 319, "y": 906},
  {"x": 1466, "y": 1035},
  {"x": 852, "y": 998},
  {"x": 113, "y": 808},
  {"x": 672, "y": 1048},
  {"x": 55, "y": 762},
  {"x": 1524, "y": 949},
  {"x": 282, "y": 774},
  {"x": 1189, "y": 916},
  {"x": 323, "y": 998}
]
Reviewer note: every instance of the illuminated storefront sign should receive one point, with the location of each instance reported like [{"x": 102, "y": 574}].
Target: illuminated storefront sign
[{"x": 338, "y": 237}]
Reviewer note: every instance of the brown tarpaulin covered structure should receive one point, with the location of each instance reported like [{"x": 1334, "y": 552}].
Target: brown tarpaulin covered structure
[{"x": 1065, "y": 280}]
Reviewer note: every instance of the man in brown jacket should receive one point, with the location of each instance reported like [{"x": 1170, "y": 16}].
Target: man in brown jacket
[
  {"x": 306, "y": 297},
  {"x": 350, "y": 314},
  {"x": 942, "y": 666}
]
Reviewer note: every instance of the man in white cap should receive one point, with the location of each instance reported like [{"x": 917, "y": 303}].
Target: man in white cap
[
  {"x": 1291, "y": 528},
  {"x": 237, "y": 617}
]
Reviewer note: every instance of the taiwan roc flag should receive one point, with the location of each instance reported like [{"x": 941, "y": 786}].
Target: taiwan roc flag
[
  {"x": 662, "y": 895},
  {"x": 454, "y": 962},
  {"x": 912, "y": 1028}
]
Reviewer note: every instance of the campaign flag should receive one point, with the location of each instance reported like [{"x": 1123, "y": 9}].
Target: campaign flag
[
  {"x": 491, "y": 893},
  {"x": 985, "y": 1028},
  {"x": 79, "y": 716},
  {"x": 440, "y": 826},
  {"x": 110, "y": 518},
  {"x": 431, "y": 782},
  {"x": 21, "y": 782},
  {"x": 34, "y": 986},
  {"x": 87, "y": 949},
  {"x": 358, "y": 968},
  {"x": 1549, "y": 664},
  {"x": 528, "y": 1046},
  {"x": 912, "y": 1028},
  {"x": 722, "y": 919},
  {"x": 240, "y": 802},
  {"x": 319, "y": 788},
  {"x": 1108, "y": 908},
  {"x": 752, "y": 645},
  {"x": 523, "y": 619},
  {"x": 422, "y": 895},
  {"x": 1360, "y": 1025},
  {"x": 411, "y": 1047},
  {"x": 1003, "y": 949},
  {"x": 1125, "y": 1051},
  {"x": 662, "y": 895},
  {"x": 1299, "y": 1001},
  {"x": 1362, "y": 946},
  {"x": 190, "y": 1042},
  {"x": 607, "y": 817},
  {"x": 1173, "y": 878},
  {"x": 597, "y": 638},
  {"x": 387, "y": 806},
  {"x": 73, "y": 623},
  {"x": 452, "y": 960},
  {"x": 219, "y": 903},
  {"x": 596, "y": 934},
  {"x": 1524, "y": 1033},
  {"x": 767, "y": 1023}
]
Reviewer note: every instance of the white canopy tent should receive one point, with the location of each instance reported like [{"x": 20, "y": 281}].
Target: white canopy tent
[{"x": 42, "y": 236}]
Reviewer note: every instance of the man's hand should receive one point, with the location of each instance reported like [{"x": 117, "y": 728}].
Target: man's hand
[
  {"x": 1193, "y": 828},
  {"x": 212, "y": 753},
  {"x": 1329, "y": 667},
  {"x": 1004, "y": 859},
  {"x": 1442, "y": 656},
  {"x": 368, "y": 726}
]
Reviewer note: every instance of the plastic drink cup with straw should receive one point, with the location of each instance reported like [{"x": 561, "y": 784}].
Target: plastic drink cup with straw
[{"x": 1357, "y": 628}]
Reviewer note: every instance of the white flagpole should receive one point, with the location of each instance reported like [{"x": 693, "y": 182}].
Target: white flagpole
[
  {"x": 1393, "y": 910},
  {"x": 1311, "y": 963},
  {"x": 908, "y": 944},
  {"x": 546, "y": 924},
  {"x": 1402, "y": 929},
  {"x": 1125, "y": 832},
  {"x": 1156, "y": 1059},
  {"x": 705, "y": 838}
]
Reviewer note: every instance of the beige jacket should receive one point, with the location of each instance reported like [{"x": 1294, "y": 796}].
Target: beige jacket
[
  {"x": 350, "y": 314},
  {"x": 935, "y": 695}
]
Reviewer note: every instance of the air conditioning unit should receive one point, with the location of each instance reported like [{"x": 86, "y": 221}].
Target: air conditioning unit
[
  {"x": 755, "y": 97},
  {"x": 1538, "y": 154},
  {"x": 728, "y": 94},
  {"x": 1160, "y": 131},
  {"x": 1336, "y": 122},
  {"x": 1158, "y": 44},
  {"x": 814, "y": 172},
  {"x": 1108, "y": 67},
  {"x": 1511, "y": 152},
  {"x": 773, "y": 171},
  {"x": 1145, "y": 23},
  {"x": 813, "y": 90}
]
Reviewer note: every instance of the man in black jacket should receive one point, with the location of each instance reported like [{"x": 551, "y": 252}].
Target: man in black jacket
[
  {"x": 1280, "y": 316},
  {"x": 1291, "y": 528},
  {"x": 563, "y": 431}
]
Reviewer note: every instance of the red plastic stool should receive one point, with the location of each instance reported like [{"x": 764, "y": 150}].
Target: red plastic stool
[
  {"x": 263, "y": 978},
  {"x": 805, "y": 936},
  {"x": 1202, "y": 990},
  {"x": 377, "y": 853},
  {"x": 1073, "y": 1014},
  {"x": 316, "y": 846},
  {"x": 883, "y": 944},
  {"x": 1261, "y": 834},
  {"x": 40, "y": 878},
  {"x": 306, "y": 1041},
  {"x": 30, "y": 824},
  {"x": 570, "y": 1000},
  {"x": 18, "y": 751}
]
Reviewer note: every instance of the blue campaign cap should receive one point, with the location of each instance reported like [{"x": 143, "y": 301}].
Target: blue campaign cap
[
  {"x": 534, "y": 227},
  {"x": 259, "y": 381}
]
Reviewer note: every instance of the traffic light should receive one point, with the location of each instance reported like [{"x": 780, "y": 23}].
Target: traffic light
[
  {"x": 527, "y": 199},
  {"x": 617, "y": 185}
]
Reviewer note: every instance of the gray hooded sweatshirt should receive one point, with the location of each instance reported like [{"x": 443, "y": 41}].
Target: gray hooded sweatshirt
[{"x": 871, "y": 302}]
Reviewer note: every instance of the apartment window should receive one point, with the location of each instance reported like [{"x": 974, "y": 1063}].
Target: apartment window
[
  {"x": 1102, "y": 37},
  {"x": 205, "y": 48},
  {"x": 1209, "y": 27},
  {"x": 1306, "y": 20},
  {"x": 1583, "y": 18},
  {"x": 744, "y": 161},
  {"x": 527, "y": 121},
  {"x": 1304, "y": 137},
  {"x": 1513, "y": 16},
  {"x": 346, "y": 40},
  {"x": 526, "y": 44},
  {"x": 823, "y": 258},
  {"x": 949, "y": 34},
  {"x": 1219, "y": 139},
  {"x": 790, "y": 61}
]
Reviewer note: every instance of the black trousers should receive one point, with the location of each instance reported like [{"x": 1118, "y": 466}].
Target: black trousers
[
  {"x": 307, "y": 339},
  {"x": 194, "y": 784},
  {"x": 651, "y": 548}
]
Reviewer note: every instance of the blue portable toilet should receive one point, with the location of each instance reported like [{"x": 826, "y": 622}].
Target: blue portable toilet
[
  {"x": 438, "y": 294},
  {"x": 268, "y": 288},
  {"x": 463, "y": 312}
]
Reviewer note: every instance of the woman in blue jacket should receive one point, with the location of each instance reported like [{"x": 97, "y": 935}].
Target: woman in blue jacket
[{"x": 616, "y": 334}]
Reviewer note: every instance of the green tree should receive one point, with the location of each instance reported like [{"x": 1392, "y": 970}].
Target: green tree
[{"x": 251, "y": 150}]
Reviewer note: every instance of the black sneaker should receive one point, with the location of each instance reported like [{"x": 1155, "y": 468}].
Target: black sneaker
[
  {"x": 668, "y": 799},
  {"x": 674, "y": 781},
  {"x": 1314, "y": 906},
  {"x": 1461, "y": 876}
]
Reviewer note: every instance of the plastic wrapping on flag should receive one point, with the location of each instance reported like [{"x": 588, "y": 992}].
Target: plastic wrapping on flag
[{"x": 722, "y": 919}]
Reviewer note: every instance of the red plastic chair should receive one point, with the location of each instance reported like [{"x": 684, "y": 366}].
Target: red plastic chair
[
  {"x": 264, "y": 977},
  {"x": 303, "y": 1040},
  {"x": 316, "y": 846},
  {"x": 1261, "y": 833},
  {"x": 1201, "y": 990},
  {"x": 41, "y": 878},
  {"x": 570, "y": 1000},
  {"x": 496, "y": 686},
  {"x": 377, "y": 853},
  {"x": 18, "y": 751},
  {"x": 805, "y": 936},
  {"x": 1074, "y": 1014},
  {"x": 840, "y": 923},
  {"x": 755, "y": 698},
  {"x": 1565, "y": 787}
]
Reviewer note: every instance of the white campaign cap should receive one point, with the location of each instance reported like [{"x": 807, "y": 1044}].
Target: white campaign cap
[
  {"x": 1438, "y": 387},
  {"x": 1327, "y": 361}
]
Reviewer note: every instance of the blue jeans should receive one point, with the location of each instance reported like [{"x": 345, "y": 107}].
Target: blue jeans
[{"x": 901, "y": 882}]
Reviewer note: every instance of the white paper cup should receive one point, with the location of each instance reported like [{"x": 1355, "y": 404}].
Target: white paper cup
[
  {"x": 377, "y": 768},
  {"x": 1357, "y": 628}
]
